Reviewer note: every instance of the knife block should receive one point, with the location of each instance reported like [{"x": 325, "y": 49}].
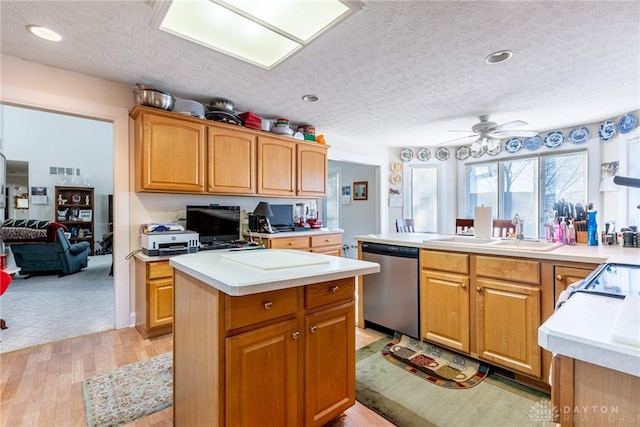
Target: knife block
[{"x": 581, "y": 231}]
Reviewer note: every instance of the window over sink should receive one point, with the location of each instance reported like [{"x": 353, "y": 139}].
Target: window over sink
[{"x": 528, "y": 186}]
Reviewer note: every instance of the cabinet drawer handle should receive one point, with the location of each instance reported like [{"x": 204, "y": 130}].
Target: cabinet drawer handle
[
  {"x": 327, "y": 240},
  {"x": 295, "y": 335},
  {"x": 290, "y": 243},
  {"x": 559, "y": 278},
  {"x": 313, "y": 329},
  {"x": 268, "y": 305},
  {"x": 335, "y": 289},
  {"x": 463, "y": 285},
  {"x": 479, "y": 289}
]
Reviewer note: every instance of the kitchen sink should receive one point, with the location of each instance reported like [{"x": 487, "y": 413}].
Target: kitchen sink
[
  {"x": 462, "y": 240},
  {"x": 522, "y": 245},
  {"x": 527, "y": 245}
]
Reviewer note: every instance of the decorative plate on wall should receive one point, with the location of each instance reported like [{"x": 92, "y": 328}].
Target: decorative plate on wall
[
  {"x": 554, "y": 139},
  {"x": 396, "y": 166},
  {"x": 442, "y": 153},
  {"x": 533, "y": 143},
  {"x": 406, "y": 155},
  {"x": 395, "y": 179},
  {"x": 424, "y": 154},
  {"x": 479, "y": 152},
  {"x": 607, "y": 130},
  {"x": 462, "y": 153},
  {"x": 627, "y": 123},
  {"x": 579, "y": 135},
  {"x": 513, "y": 145}
]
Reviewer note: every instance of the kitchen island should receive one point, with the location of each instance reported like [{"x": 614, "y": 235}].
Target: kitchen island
[
  {"x": 264, "y": 337},
  {"x": 488, "y": 299}
]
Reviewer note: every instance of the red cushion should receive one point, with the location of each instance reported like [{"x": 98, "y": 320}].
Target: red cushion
[
  {"x": 5, "y": 281},
  {"x": 52, "y": 231}
]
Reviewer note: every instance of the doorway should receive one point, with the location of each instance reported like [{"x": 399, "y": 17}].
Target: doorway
[{"x": 38, "y": 145}]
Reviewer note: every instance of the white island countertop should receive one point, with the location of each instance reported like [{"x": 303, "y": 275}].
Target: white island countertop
[
  {"x": 253, "y": 271},
  {"x": 583, "y": 328}
]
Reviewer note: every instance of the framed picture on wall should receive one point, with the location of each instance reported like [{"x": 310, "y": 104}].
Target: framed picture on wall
[{"x": 360, "y": 191}]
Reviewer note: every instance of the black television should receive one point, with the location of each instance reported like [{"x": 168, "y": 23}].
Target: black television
[{"x": 214, "y": 223}]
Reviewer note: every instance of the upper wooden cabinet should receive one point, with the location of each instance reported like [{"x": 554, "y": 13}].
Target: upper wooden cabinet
[
  {"x": 231, "y": 156},
  {"x": 181, "y": 154},
  {"x": 276, "y": 167},
  {"x": 312, "y": 170},
  {"x": 289, "y": 168},
  {"x": 169, "y": 153}
]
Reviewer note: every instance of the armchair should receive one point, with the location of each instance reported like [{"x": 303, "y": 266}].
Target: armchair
[{"x": 56, "y": 255}]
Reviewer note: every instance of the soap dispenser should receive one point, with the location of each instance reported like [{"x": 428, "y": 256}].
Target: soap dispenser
[
  {"x": 571, "y": 233},
  {"x": 592, "y": 226}
]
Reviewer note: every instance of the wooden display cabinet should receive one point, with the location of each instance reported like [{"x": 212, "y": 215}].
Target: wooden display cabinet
[{"x": 75, "y": 210}]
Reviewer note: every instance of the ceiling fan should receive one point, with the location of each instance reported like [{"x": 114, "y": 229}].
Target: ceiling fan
[{"x": 488, "y": 134}]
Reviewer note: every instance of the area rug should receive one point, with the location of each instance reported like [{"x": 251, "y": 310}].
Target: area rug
[
  {"x": 433, "y": 363},
  {"x": 407, "y": 400},
  {"x": 130, "y": 392}
]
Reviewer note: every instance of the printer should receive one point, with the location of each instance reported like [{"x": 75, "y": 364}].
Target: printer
[{"x": 171, "y": 242}]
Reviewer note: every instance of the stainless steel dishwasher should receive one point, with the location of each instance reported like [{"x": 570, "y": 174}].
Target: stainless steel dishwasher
[{"x": 391, "y": 297}]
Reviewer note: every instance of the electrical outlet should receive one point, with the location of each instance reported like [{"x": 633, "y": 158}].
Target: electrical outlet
[
  {"x": 354, "y": 247},
  {"x": 345, "y": 247}
]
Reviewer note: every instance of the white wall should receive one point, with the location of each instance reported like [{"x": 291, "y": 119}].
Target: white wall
[
  {"x": 45, "y": 139},
  {"x": 359, "y": 216}
]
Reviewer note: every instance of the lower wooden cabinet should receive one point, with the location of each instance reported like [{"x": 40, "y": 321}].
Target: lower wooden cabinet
[
  {"x": 507, "y": 321},
  {"x": 325, "y": 243},
  {"x": 484, "y": 306},
  {"x": 154, "y": 298},
  {"x": 444, "y": 313},
  {"x": 278, "y": 358},
  {"x": 565, "y": 276},
  {"x": 262, "y": 377},
  {"x": 329, "y": 363}
]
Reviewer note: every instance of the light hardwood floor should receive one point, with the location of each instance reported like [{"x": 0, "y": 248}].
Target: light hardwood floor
[{"x": 42, "y": 386}]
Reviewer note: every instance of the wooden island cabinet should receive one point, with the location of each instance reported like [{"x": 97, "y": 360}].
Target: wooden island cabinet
[
  {"x": 278, "y": 357},
  {"x": 175, "y": 153}
]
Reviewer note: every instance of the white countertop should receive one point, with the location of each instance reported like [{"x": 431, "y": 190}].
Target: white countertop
[
  {"x": 253, "y": 271},
  {"x": 578, "y": 253},
  {"x": 582, "y": 328},
  {"x": 284, "y": 234}
]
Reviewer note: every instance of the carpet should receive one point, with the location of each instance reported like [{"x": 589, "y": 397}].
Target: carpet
[
  {"x": 130, "y": 392},
  {"x": 409, "y": 401},
  {"x": 434, "y": 364},
  {"x": 48, "y": 308}
]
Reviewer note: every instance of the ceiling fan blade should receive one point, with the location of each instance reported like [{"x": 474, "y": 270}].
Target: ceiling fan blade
[
  {"x": 507, "y": 133},
  {"x": 509, "y": 125},
  {"x": 457, "y": 139},
  {"x": 460, "y": 130}
]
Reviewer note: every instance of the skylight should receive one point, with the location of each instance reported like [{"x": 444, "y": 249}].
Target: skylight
[{"x": 263, "y": 33}]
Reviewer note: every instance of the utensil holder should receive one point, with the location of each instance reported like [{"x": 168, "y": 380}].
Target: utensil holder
[{"x": 581, "y": 231}]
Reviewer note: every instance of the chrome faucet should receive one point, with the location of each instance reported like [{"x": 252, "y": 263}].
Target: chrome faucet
[{"x": 519, "y": 227}]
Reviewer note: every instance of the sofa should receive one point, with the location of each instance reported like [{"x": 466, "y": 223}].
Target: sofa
[{"x": 51, "y": 254}]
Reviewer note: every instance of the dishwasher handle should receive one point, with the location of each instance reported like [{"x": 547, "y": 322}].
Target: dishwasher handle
[{"x": 390, "y": 250}]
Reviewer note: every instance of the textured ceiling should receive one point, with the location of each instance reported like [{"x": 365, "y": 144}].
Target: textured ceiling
[{"x": 398, "y": 73}]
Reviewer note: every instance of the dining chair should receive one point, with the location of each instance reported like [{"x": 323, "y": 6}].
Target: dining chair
[
  {"x": 502, "y": 227},
  {"x": 406, "y": 225}
]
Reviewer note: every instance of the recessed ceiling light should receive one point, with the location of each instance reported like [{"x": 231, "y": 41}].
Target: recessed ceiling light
[
  {"x": 310, "y": 98},
  {"x": 498, "y": 57},
  {"x": 263, "y": 33},
  {"x": 44, "y": 33}
]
